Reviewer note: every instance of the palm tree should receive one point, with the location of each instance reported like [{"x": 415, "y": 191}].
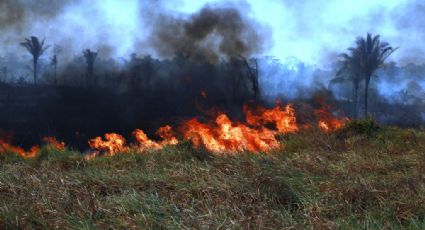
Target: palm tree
[
  {"x": 365, "y": 58},
  {"x": 351, "y": 72},
  {"x": 90, "y": 59},
  {"x": 36, "y": 49}
]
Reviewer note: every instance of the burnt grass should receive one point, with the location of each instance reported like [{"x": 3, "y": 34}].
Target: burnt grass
[{"x": 362, "y": 176}]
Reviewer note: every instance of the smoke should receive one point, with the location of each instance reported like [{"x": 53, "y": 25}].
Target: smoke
[
  {"x": 213, "y": 32},
  {"x": 409, "y": 23},
  {"x": 18, "y": 16},
  {"x": 312, "y": 31},
  {"x": 116, "y": 29}
]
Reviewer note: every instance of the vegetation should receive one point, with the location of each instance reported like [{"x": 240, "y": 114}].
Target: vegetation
[
  {"x": 351, "y": 72},
  {"x": 36, "y": 49},
  {"x": 363, "y": 60},
  {"x": 362, "y": 176},
  {"x": 90, "y": 57},
  {"x": 54, "y": 61}
]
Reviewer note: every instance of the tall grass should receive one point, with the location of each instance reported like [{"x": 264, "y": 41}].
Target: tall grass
[{"x": 363, "y": 176}]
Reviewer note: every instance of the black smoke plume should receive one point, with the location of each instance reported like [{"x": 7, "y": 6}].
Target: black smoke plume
[{"x": 213, "y": 32}]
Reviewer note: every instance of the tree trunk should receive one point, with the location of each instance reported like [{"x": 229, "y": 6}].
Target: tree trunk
[
  {"x": 35, "y": 70},
  {"x": 366, "y": 96}
]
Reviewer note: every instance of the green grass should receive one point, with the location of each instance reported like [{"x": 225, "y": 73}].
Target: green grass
[{"x": 360, "y": 177}]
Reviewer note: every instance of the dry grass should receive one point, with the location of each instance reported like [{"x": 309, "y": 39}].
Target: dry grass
[{"x": 359, "y": 177}]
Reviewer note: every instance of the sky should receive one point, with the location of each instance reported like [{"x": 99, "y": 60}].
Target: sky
[{"x": 313, "y": 31}]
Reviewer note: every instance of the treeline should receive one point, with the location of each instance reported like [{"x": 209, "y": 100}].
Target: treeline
[{"x": 361, "y": 76}]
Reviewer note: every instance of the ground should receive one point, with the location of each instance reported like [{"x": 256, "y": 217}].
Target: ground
[{"x": 362, "y": 176}]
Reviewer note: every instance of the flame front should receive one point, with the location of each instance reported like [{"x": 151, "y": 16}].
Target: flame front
[
  {"x": 220, "y": 136},
  {"x": 225, "y": 136},
  {"x": 114, "y": 143}
]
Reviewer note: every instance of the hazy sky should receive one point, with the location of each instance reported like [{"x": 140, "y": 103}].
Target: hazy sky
[{"x": 314, "y": 31}]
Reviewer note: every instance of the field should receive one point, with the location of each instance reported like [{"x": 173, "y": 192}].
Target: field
[{"x": 361, "y": 176}]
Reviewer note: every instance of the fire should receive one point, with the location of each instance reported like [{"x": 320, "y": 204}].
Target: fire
[
  {"x": 221, "y": 135},
  {"x": 52, "y": 141},
  {"x": 145, "y": 143},
  {"x": 327, "y": 122},
  {"x": 5, "y": 146},
  {"x": 331, "y": 124},
  {"x": 225, "y": 136},
  {"x": 282, "y": 117},
  {"x": 168, "y": 136},
  {"x": 110, "y": 145},
  {"x": 114, "y": 143}
]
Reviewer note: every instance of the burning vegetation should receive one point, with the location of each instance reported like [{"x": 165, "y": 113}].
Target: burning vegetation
[
  {"x": 220, "y": 135},
  {"x": 224, "y": 156},
  {"x": 210, "y": 58}
]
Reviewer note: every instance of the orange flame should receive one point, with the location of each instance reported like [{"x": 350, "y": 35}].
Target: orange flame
[
  {"x": 168, "y": 136},
  {"x": 226, "y": 136},
  {"x": 145, "y": 143},
  {"x": 326, "y": 121},
  {"x": 112, "y": 144},
  {"x": 52, "y": 141},
  {"x": 221, "y": 135},
  {"x": 5, "y": 146},
  {"x": 115, "y": 143},
  {"x": 283, "y": 118}
]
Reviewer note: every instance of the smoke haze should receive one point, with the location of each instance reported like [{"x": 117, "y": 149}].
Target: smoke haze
[{"x": 312, "y": 31}]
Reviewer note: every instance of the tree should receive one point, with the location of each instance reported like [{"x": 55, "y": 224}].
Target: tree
[
  {"x": 252, "y": 67},
  {"x": 54, "y": 61},
  {"x": 351, "y": 72},
  {"x": 365, "y": 58},
  {"x": 90, "y": 57},
  {"x": 36, "y": 49}
]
